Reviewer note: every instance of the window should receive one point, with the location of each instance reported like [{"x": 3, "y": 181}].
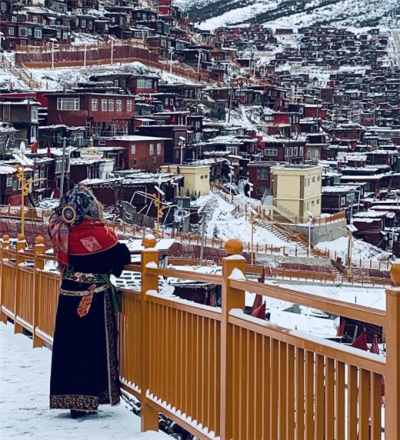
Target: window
[
  {"x": 68, "y": 104},
  {"x": 129, "y": 105},
  {"x": 118, "y": 105},
  {"x": 11, "y": 31},
  {"x": 34, "y": 131},
  {"x": 262, "y": 173},
  {"x": 38, "y": 33},
  {"x": 104, "y": 105},
  {"x": 313, "y": 179},
  {"x": 34, "y": 114},
  {"x": 23, "y": 32},
  {"x": 133, "y": 149},
  {"x": 36, "y": 178},
  {"x": 151, "y": 149},
  {"x": 158, "y": 149},
  {"x": 144, "y": 83},
  {"x": 58, "y": 166},
  {"x": 10, "y": 181},
  {"x": 272, "y": 152},
  {"x": 95, "y": 104},
  {"x": 110, "y": 105}
]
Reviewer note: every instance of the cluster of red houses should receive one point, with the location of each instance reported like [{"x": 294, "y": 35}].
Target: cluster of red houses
[{"x": 265, "y": 114}]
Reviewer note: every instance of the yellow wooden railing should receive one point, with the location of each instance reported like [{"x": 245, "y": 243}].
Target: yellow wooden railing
[{"x": 220, "y": 373}]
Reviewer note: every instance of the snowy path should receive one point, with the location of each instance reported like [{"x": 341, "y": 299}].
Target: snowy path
[{"x": 24, "y": 390}]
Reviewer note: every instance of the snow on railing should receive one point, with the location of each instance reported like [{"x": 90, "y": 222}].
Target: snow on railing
[{"x": 210, "y": 368}]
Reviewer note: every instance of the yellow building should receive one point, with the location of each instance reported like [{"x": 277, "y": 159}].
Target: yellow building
[
  {"x": 196, "y": 178},
  {"x": 296, "y": 191}
]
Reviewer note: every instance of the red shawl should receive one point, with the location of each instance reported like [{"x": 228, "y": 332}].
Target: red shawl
[{"x": 88, "y": 237}]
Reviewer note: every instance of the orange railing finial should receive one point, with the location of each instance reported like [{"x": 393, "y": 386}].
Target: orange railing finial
[
  {"x": 149, "y": 241},
  {"x": 395, "y": 273},
  {"x": 233, "y": 247}
]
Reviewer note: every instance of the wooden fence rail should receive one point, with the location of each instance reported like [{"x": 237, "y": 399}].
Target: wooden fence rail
[{"x": 218, "y": 372}]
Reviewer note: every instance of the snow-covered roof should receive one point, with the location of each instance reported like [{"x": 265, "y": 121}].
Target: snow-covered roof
[
  {"x": 337, "y": 189},
  {"x": 6, "y": 169},
  {"x": 136, "y": 138}
]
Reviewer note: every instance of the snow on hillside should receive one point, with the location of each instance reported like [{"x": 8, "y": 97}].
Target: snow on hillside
[
  {"x": 24, "y": 401},
  {"x": 63, "y": 77},
  {"x": 287, "y": 13},
  {"x": 361, "y": 250},
  {"x": 8, "y": 80},
  {"x": 223, "y": 224}
]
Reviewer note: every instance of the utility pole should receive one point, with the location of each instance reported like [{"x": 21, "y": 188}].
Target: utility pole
[
  {"x": 203, "y": 233},
  {"x": 349, "y": 251},
  {"x": 171, "y": 51},
  {"x": 63, "y": 167},
  {"x": 229, "y": 101},
  {"x": 198, "y": 60},
  {"x": 52, "y": 54},
  {"x": 112, "y": 52},
  {"x": 252, "y": 222},
  {"x": 310, "y": 222},
  {"x": 230, "y": 182}
]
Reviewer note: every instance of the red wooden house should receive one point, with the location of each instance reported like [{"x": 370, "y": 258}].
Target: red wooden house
[
  {"x": 141, "y": 152},
  {"x": 103, "y": 114},
  {"x": 165, "y": 8}
]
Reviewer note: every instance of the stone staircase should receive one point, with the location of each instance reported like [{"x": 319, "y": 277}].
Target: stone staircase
[{"x": 19, "y": 73}]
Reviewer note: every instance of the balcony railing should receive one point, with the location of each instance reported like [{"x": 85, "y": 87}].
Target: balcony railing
[{"x": 218, "y": 372}]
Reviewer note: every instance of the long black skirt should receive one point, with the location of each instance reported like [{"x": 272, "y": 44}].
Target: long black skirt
[{"x": 84, "y": 370}]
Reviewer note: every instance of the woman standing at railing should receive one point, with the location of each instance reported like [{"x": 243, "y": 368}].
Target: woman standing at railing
[{"x": 84, "y": 371}]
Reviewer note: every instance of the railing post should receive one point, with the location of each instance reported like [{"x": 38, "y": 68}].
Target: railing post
[
  {"x": 392, "y": 376},
  {"x": 150, "y": 257},
  {"x": 231, "y": 299},
  {"x": 39, "y": 265},
  {"x": 4, "y": 245},
  {"x": 20, "y": 247}
]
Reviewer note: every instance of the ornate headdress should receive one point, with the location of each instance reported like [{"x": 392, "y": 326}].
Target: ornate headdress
[{"x": 79, "y": 211}]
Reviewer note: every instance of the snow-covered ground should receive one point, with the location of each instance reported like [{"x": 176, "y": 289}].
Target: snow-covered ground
[
  {"x": 361, "y": 250},
  {"x": 222, "y": 223},
  {"x": 59, "y": 78},
  {"x": 281, "y": 13},
  {"x": 8, "y": 80},
  {"x": 373, "y": 297},
  {"x": 24, "y": 401}
]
